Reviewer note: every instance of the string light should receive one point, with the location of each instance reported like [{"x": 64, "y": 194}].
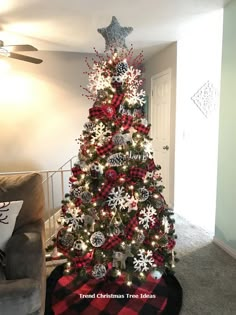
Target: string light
[{"x": 129, "y": 283}]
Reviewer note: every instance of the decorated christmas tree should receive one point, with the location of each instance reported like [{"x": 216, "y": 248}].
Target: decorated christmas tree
[{"x": 114, "y": 219}]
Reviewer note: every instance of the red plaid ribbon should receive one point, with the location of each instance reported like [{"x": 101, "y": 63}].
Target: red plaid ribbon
[
  {"x": 76, "y": 170},
  {"x": 125, "y": 121},
  {"x": 138, "y": 172},
  {"x": 105, "y": 148},
  {"x": 106, "y": 188},
  {"x": 96, "y": 112},
  {"x": 112, "y": 242},
  {"x": 141, "y": 128},
  {"x": 159, "y": 259},
  {"x": 117, "y": 99},
  {"x": 82, "y": 261},
  {"x": 151, "y": 165},
  {"x": 129, "y": 231}
]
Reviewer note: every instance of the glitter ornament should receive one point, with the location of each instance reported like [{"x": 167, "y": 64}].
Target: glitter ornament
[
  {"x": 65, "y": 240},
  {"x": 88, "y": 126},
  {"x": 121, "y": 68},
  {"x": 97, "y": 239},
  {"x": 118, "y": 139},
  {"x": 86, "y": 196},
  {"x": 116, "y": 159},
  {"x": 143, "y": 194},
  {"x": 99, "y": 271}
]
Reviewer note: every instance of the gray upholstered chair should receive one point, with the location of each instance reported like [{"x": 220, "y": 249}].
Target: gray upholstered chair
[{"x": 22, "y": 292}]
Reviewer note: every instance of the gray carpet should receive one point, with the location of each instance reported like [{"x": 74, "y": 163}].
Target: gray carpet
[{"x": 206, "y": 273}]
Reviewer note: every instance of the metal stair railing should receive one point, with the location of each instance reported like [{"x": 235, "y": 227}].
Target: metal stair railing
[{"x": 55, "y": 183}]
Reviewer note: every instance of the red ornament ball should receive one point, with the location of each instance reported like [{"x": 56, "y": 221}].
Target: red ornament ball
[{"x": 111, "y": 175}]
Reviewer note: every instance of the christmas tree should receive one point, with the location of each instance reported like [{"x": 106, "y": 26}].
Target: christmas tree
[{"x": 114, "y": 218}]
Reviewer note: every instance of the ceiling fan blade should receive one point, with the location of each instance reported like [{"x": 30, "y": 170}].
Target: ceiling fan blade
[
  {"x": 25, "y": 58},
  {"x": 11, "y": 48}
]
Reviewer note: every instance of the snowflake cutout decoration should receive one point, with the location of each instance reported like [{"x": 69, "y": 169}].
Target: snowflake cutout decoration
[
  {"x": 118, "y": 198},
  {"x": 136, "y": 97},
  {"x": 145, "y": 261},
  {"x": 74, "y": 222},
  {"x": 206, "y": 98},
  {"x": 97, "y": 79},
  {"x": 100, "y": 134},
  {"x": 147, "y": 218},
  {"x": 133, "y": 83}
]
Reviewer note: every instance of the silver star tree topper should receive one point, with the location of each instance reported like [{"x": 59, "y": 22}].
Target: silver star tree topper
[{"x": 115, "y": 35}]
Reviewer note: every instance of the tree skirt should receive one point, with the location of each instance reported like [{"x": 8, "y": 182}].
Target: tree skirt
[{"x": 67, "y": 295}]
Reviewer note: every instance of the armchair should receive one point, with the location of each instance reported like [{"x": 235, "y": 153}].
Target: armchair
[{"x": 22, "y": 288}]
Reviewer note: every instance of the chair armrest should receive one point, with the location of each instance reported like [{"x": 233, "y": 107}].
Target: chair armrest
[
  {"x": 25, "y": 256},
  {"x": 21, "y": 296}
]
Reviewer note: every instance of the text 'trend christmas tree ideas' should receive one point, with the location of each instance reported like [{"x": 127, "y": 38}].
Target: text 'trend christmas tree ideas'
[{"x": 114, "y": 219}]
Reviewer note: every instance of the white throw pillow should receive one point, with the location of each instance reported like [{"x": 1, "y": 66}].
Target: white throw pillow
[{"x": 8, "y": 214}]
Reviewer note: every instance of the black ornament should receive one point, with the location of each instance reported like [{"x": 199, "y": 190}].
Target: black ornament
[{"x": 121, "y": 68}]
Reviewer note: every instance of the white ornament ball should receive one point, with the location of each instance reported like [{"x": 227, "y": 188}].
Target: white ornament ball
[{"x": 156, "y": 274}]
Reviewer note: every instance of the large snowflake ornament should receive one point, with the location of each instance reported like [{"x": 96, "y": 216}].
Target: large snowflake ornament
[
  {"x": 136, "y": 98},
  {"x": 147, "y": 217},
  {"x": 145, "y": 261},
  {"x": 99, "y": 134},
  {"x": 118, "y": 198},
  {"x": 74, "y": 222},
  {"x": 97, "y": 79}
]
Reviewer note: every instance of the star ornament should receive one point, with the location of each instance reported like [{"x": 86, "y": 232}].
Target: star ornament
[{"x": 115, "y": 35}]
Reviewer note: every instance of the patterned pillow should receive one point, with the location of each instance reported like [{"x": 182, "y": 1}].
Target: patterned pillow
[{"x": 8, "y": 213}]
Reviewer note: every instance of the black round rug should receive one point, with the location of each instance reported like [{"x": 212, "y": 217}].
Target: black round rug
[{"x": 174, "y": 292}]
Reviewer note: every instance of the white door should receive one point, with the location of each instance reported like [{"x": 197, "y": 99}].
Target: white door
[{"x": 160, "y": 129}]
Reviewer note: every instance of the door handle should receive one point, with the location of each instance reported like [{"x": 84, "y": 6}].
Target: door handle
[{"x": 166, "y": 147}]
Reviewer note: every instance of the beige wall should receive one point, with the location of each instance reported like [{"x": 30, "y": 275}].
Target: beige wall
[
  {"x": 42, "y": 111},
  {"x": 165, "y": 59}
]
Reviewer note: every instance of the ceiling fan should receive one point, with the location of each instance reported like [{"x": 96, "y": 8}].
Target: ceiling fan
[{"x": 9, "y": 51}]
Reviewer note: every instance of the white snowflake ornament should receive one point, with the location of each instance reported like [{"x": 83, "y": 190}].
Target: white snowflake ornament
[
  {"x": 145, "y": 261},
  {"x": 147, "y": 217},
  {"x": 99, "y": 134},
  {"x": 118, "y": 198}
]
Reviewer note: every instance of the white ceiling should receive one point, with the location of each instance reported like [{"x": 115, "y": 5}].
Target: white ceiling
[{"x": 71, "y": 25}]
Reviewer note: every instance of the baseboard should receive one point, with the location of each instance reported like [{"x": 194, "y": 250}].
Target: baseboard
[{"x": 226, "y": 248}]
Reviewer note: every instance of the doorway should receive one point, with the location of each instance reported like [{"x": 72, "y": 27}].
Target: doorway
[{"x": 160, "y": 118}]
